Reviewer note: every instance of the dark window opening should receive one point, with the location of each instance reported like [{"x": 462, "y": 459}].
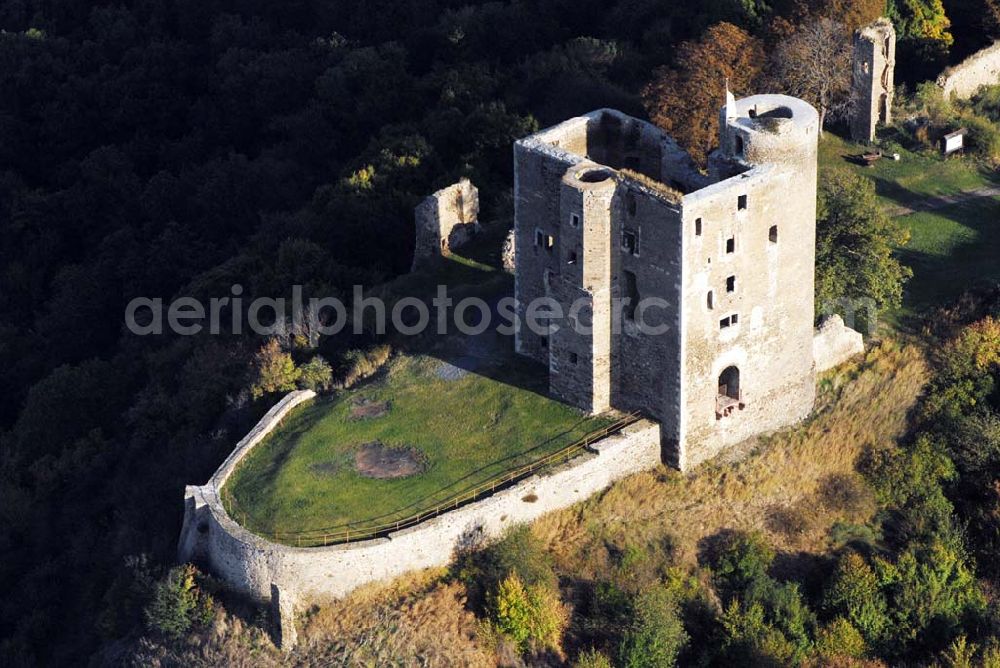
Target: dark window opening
[
  {"x": 571, "y": 258},
  {"x": 546, "y": 241},
  {"x": 735, "y": 318},
  {"x": 739, "y": 145},
  {"x": 545, "y": 342},
  {"x": 725, "y": 323},
  {"x": 574, "y": 220},
  {"x": 631, "y": 294},
  {"x": 731, "y": 245},
  {"x": 630, "y": 242},
  {"x": 752, "y": 113},
  {"x": 697, "y": 227},
  {"x": 573, "y": 358},
  {"x": 711, "y": 300},
  {"x": 731, "y": 284},
  {"x": 772, "y": 234},
  {"x": 741, "y": 202}
]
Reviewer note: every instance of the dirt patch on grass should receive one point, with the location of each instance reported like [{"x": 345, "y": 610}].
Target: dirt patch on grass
[
  {"x": 368, "y": 409},
  {"x": 377, "y": 460}
]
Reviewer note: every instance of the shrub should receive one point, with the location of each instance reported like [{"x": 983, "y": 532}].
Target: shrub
[
  {"x": 982, "y": 138},
  {"x": 529, "y": 615},
  {"x": 839, "y": 639},
  {"x": 854, "y": 595},
  {"x": 316, "y": 374},
  {"x": 273, "y": 370},
  {"x": 592, "y": 659},
  {"x": 518, "y": 552},
  {"x": 177, "y": 604},
  {"x": 742, "y": 561},
  {"x": 359, "y": 364},
  {"x": 656, "y": 635}
]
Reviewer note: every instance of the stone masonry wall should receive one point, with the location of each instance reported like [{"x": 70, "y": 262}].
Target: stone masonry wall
[
  {"x": 873, "y": 66},
  {"x": 980, "y": 69},
  {"x": 252, "y": 565},
  {"x": 445, "y": 221},
  {"x": 834, "y": 343}
]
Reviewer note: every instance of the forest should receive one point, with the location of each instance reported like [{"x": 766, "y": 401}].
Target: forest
[{"x": 160, "y": 148}]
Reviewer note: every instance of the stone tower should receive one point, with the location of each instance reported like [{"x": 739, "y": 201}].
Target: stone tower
[
  {"x": 872, "y": 78},
  {"x": 445, "y": 221},
  {"x": 686, "y": 296}
]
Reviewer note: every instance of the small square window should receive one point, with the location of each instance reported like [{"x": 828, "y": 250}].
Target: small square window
[
  {"x": 697, "y": 227},
  {"x": 735, "y": 318},
  {"x": 630, "y": 242},
  {"x": 724, "y": 323},
  {"x": 571, "y": 258},
  {"x": 741, "y": 202},
  {"x": 574, "y": 220},
  {"x": 731, "y": 245},
  {"x": 772, "y": 234},
  {"x": 574, "y": 358},
  {"x": 731, "y": 284}
]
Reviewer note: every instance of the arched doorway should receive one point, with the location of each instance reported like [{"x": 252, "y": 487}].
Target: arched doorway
[{"x": 730, "y": 396}]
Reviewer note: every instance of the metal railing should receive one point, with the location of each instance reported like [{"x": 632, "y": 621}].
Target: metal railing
[{"x": 357, "y": 531}]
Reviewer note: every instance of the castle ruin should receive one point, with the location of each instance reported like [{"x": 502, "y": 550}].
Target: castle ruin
[
  {"x": 608, "y": 207},
  {"x": 872, "y": 78},
  {"x": 445, "y": 221}
]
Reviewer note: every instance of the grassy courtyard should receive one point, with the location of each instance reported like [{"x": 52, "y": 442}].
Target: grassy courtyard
[
  {"x": 950, "y": 247},
  {"x": 461, "y": 427}
]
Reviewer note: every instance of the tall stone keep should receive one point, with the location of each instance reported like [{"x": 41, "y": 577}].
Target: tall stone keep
[
  {"x": 872, "y": 78},
  {"x": 444, "y": 221},
  {"x": 610, "y": 211}
]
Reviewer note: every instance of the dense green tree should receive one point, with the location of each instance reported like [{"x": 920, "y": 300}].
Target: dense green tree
[{"x": 855, "y": 245}]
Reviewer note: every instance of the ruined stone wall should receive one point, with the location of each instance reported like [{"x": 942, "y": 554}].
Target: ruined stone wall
[
  {"x": 774, "y": 139},
  {"x": 445, "y": 221},
  {"x": 253, "y": 565},
  {"x": 980, "y": 69},
  {"x": 835, "y": 343},
  {"x": 873, "y": 67}
]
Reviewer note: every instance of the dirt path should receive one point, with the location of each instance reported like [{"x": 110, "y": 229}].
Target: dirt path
[{"x": 932, "y": 203}]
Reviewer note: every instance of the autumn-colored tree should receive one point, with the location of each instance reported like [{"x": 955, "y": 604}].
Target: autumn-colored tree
[
  {"x": 685, "y": 100},
  {"x": 814, "y": 64},
  {"x": 852, "y": 13},
  {"x": 273, "y": 370}
]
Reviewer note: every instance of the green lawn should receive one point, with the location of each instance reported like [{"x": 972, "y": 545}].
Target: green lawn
[
  {"x": 469, "y": 428},
  {"x": 950, "y": 248},
  {"x": 914, "y": 177}
]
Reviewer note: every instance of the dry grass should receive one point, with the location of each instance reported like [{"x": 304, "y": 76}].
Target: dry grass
[
  {"x": 787, "y": 486},
  {"x": 417, "y": 620}
]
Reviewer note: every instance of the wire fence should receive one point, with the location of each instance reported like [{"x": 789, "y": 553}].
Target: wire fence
[{"x": 362, "y": 530}]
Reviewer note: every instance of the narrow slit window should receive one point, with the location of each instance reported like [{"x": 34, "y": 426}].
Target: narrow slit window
[
  {"x": 731, "y": 245},
  {"x": 772, "y": 234},
  {"x": 697, "y": 227},
  {"x": 574, "y": 220},
  {"x": 731, "y": 284},
  {"x": 734, "y": 318},
  {"x": 631, "y": 294},
  {"x": 710, "y": 300},
  {"x": 545, "y": 342},
  {"x": 741, "y": 202},
  {"x": 739, "y": 145},
  {"x": 571, "y": 258},
  {"x": 630, "y": 242}
]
